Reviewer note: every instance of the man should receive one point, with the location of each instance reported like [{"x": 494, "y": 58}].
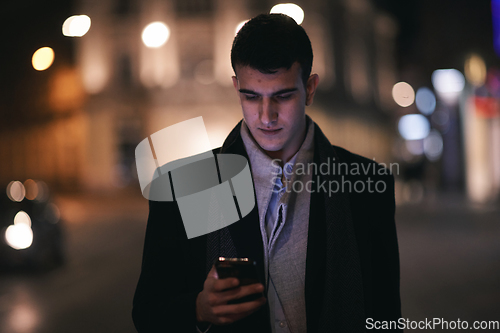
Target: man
[{"x": 326, "y": 248}]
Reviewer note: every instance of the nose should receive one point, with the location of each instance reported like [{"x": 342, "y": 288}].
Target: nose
[{"x": 268, "y": 113}]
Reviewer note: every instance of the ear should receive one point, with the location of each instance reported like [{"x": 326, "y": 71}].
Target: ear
[
  {"x": 312, "y": 84},
  {"x": 235, "y": 83}
]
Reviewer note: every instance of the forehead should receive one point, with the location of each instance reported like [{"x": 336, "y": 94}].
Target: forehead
[{"x": 251, "y": 78}]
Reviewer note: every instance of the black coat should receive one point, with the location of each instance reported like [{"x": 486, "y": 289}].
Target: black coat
[{"x": 352, "y": 264}]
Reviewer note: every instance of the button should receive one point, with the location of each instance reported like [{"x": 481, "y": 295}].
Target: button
[{"x": 282, "y": 324}]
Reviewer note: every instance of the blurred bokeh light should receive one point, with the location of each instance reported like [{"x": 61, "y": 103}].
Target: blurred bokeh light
[
  {"x": 448, "y": 83},
  {"x": 22, "y": 218},
  {"x": 42, "y": 58},
  {"x": 76, "y": 26},
  {"x": 475, "y": 70},
  {"x": 43, "y": 193},
  {"x": 23, "y": 318},
  {"x": 403, "y": 94},
  {"x": 415, "y": 147},
  {"x": 425, "y": 101},
  {"x": 155, "y": 34},
  {"x": 31, "y": 188},
  {"x": 414, "y": 127},
  {"x": 290, "y": 9},
  {"x": 433, "y": 145},
  {"x": 16, "y": 191},
  {"x": 19, "y": 236}
]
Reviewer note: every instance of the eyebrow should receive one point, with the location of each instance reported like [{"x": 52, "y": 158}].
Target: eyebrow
[{"x": 279, "y": 92}]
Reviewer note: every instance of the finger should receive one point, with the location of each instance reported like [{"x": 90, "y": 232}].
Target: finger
[
  {"x": 239, "y": 309},
  {"x": 230, "y": 318},
  {"x": 223, "y": 284},
  {"x": 213, "y": 273},
  {"x": 210, "y": 280},
  {"x": 240, "y": 292}
]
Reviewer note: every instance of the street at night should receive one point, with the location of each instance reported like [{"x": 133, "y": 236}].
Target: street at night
[{"x": 92, "y": 95}]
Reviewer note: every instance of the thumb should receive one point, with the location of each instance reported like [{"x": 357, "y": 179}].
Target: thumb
[{"x": 213, "y": 273}]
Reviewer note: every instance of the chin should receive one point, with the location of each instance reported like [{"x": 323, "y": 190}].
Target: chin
[
  {"x": 266, "y": 143},
  {"x": 267, "y": 146}
]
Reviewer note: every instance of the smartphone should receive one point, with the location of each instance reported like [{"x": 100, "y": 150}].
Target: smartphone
[{"x": 244, "y": 269}]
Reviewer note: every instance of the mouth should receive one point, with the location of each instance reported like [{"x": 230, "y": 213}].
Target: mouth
[{"x": 270, "y": 131}]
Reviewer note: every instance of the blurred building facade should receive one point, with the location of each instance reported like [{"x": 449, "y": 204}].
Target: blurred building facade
[
  {"x": 480, "y": 114},
  {"x": 121, "y": 91}
]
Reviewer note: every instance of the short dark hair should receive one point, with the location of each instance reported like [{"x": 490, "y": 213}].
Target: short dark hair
[{"x": 272, "y": 41}]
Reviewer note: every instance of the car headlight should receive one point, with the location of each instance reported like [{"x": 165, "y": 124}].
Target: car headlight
[{"x": 19, "y": 235}]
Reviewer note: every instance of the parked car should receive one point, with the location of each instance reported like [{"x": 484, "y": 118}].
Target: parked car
[{"x": 31, "y": 232}]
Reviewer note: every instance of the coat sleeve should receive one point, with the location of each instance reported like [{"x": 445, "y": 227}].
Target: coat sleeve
[{"x": 165, "y": 296}]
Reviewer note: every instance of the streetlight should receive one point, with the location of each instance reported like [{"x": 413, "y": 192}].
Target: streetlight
[
  {"x": 475, "y": 70},
  {"x": 403, "y": 94},
  {"x": 76, "y": 26},
  {"x": 155, "y": 34},
  {"x": 42, "y": 58},
  {"x": 414, "y": 127},
  {"x": 425, "y": 100},
  {"x": 448, "y": 83},
  {"x": 289, "y": 9}
]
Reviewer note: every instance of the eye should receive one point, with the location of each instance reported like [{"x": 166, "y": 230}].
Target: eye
[
  {"x": 284, "y": 97},
  {"x": 251, "y": 97}
]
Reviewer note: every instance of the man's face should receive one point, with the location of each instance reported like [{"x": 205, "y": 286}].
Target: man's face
[{"x": 274, "y": 107}]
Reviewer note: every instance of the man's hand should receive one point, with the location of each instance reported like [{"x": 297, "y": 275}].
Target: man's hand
[{"x": 211, "y": 303}]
